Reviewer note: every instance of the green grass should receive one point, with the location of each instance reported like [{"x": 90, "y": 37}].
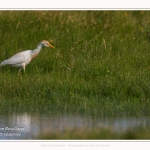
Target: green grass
[{"x": 100, "y": 63}]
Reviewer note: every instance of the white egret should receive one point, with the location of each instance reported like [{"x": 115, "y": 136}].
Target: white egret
[{"x": 23, "y": 58}]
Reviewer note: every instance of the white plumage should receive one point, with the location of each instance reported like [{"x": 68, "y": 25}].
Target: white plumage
[{"x": 23, "y": 58}]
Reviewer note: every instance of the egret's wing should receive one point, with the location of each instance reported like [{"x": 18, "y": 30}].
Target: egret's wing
[{"x": 18, "y": 58}]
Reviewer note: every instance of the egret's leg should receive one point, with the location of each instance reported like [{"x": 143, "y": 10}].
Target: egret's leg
[
  {"x": 24, "y": 69},
  {"x": 19, "y": 71},
  {"x": 23, "y": 66}
]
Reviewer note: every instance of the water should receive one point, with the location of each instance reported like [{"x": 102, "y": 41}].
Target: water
[{"x": 31, "y": 125}]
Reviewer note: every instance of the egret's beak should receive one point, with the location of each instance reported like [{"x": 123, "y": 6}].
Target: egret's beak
[{"x": 50, "y": 45}]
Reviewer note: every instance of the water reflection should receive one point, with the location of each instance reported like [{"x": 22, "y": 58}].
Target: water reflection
[{"x": 28, "y": 126}]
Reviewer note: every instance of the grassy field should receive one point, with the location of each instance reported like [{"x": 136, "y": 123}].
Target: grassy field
[{"x": 100, "y": 64}]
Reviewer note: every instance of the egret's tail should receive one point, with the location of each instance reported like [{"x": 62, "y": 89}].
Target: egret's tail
[{"x": 3, "y": 63}]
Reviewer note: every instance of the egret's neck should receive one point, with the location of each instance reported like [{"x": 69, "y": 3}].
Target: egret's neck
[
  {"x": 38, "y": 49},
  {"x": 35, "y": 52}
]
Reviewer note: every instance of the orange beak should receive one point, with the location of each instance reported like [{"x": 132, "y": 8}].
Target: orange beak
[{"x": 50, "y": 45}]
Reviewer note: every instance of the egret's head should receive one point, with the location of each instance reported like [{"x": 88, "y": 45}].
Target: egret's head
[{"x": 46, "y": 44}]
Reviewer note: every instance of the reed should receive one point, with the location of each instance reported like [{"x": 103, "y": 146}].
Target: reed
[{"x": 100, "y": 63}]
